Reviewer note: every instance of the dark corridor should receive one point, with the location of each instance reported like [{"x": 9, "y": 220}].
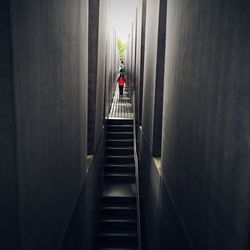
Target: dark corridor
[{"x": 165, "y": 167}]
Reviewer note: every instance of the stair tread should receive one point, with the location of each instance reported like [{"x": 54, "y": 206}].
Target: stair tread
[
  {"x": 120, "y": 156},
  {"x": 119, "y": 221},
  {"x": 118, "y": 248},
  {"x": 117, "y": 216},
  {"x": 116, "y": 173},
  {"x": 120, "y": 132},
  {"x": 131, "y": 207},
  {"x": 121, "y": 148},
  {"x": 118, "y": 232},
  {"x": 119, "y": 170},
  {"x": 119, "y": 139},
  {"x": 120, "y": 165},
  {"x": 120, "y": 125},
  {"x": 119, "y": 174},
  {"x": 120, "y": 120},
  {"x": 119, "y": 190},
  {"x": 115, "y": 248}
]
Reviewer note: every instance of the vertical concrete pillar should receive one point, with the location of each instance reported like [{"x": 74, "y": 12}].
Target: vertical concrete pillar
[
  {"x": 142, "y": 49},
  {"x": 50, "y": 60},
  {"x": 9, "y": 220},
  {"x": 159, "y": 81},
  {"x": 92, "y": 71},
  {"x": 206, "y": 132},
  {"x": 154, "y": 72}
]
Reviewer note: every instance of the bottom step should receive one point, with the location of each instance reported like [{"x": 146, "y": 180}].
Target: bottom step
[{"x": 118, "y": 249}]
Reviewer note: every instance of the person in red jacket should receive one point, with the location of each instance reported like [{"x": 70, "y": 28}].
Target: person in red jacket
[{"x": 121, "y": 82}]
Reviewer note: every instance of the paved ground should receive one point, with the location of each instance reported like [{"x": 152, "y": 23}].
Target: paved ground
[{"x": 121, "y": 107}]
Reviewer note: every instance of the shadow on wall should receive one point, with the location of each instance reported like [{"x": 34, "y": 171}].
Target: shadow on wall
[
  {"x": 82, "y": 229},
  {"x": 161, "y": 227}
]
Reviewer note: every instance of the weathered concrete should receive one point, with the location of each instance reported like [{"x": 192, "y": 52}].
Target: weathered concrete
[
  {"x": 103, "y": 67},
  {"x": 153, "y": 73},
  {"x": 140, "y": 43},
  {"x": 159, "y": 81},
  {"x": 9, "y": 233},
  {"x": 199, "y": 199},
  {"x": 92, "y": 71},
  {"x": 206, "y": 147},
  {"x": 81, "y": 232},
  {"x": 135, "y": 57},
  {"x": 161, "y": 226},
  {"x": 50, "y": 85}
]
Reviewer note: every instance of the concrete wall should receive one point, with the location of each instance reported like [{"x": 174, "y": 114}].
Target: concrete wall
[
  {"x": 161, "y": 228},
  {"x": 82, "y": 230},
  {"x": 139, "y": 60},
  {"x": 141, "y": 55},
  {"x": 92, "y": 70},
  {"x": 9, "y": 236},
  {"x": 153, "y": 73},
  {"x": 49, "y": 191},
  {"x": 134, "y": 60},
  {"x": 50, "y": 85},
  {"x": 107, "y": 62},
  {"x": 199, "y": 197},
  {"x": 206, "y": 153},
  {"x": 160, "y": 225}
]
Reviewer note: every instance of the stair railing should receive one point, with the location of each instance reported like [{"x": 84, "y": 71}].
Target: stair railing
[{"x": 137, "y": 177}]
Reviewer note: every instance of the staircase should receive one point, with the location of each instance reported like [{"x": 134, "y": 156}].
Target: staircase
[{"x": 118, "y": 220}]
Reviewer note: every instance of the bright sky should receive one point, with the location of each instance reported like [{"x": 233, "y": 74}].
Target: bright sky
[{"x": 123, "y": 13}]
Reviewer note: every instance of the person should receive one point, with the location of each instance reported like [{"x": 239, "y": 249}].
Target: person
[
  {"x": 122, "y": 69},
  {"x": 121, "y": 81}
]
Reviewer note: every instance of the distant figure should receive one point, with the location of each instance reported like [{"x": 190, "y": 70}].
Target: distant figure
[
  {"x": 121, "y": 82},
  {"x": 122, "y": 69}
]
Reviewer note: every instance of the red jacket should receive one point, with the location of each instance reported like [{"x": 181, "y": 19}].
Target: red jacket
[{"x": 121, "y": 81}]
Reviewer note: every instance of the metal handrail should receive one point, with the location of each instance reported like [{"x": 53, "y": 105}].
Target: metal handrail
[{"x": 137, "y": 178}]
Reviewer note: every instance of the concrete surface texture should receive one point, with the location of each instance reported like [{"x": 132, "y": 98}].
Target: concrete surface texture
[
  {"x": 8, "y": 180},
  {"x": 199, "y": 199},
  {"x": 161, "y": 227},
  {"x": 206, "y": 153},
  {"x": 50, "y": 88},
  {"x": 92, "y": 70},
  {"x": 140, "y": 43},
  {"x": 134, "y": 59},
  {"x": 150, "y": 69},
  {"x": 45, "y": 184},
  {"x": 55, "y": 86},
  {"x": 105, "y": 67},
  {"x": 81, "y": 231}
]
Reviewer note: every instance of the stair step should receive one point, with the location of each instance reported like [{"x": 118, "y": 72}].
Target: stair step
[
  {"x": 119, "y": 175},
  {"x": 118, "y": 233},
  {"x": 120, "y": 178},
  {"x": 131, "y": 165},
  {"x": 124, "y": 200},
  {"x": 119, "y": 143},
  {"x": 118, "y": 222},
  {"x": 118, "y": 248},
  {"x": 129, "y": 168},
  {"x": 115, "y": 210},
  {"x": 120, "y": 236},
  {"x": 120, "y": 135},
  {"x": 119, "y": 150},
  {"x": 119, "y": 122},
  {"x": 118, "y": 217},
  {"x": 123, "y": 220},
  {"x": 119, "y": 159},
  {"x": 120, "y": 128}
]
